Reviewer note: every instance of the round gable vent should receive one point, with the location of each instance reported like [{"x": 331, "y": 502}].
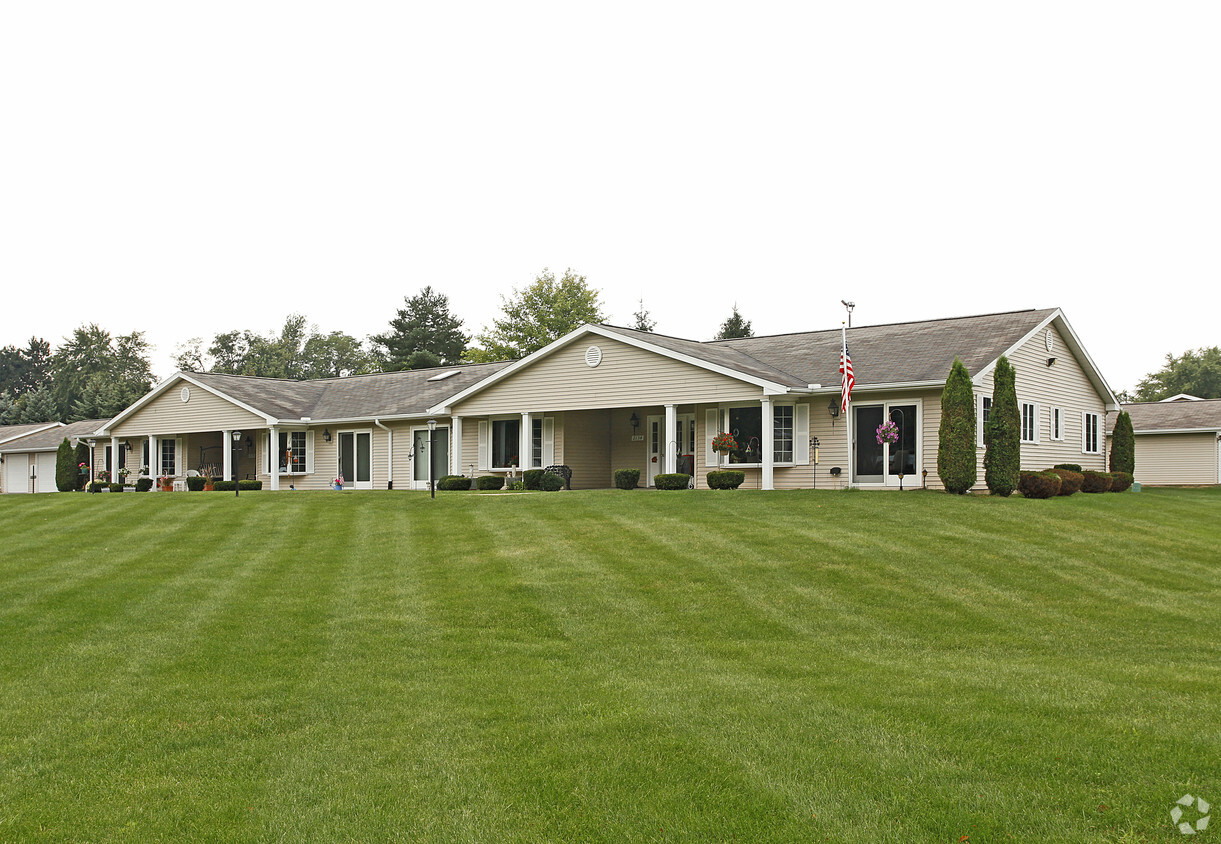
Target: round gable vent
[
  {"x": 186, "y": 394},
  {"x": 593, "y": 356}
]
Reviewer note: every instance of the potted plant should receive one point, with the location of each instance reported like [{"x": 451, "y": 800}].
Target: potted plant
[
  {"x": 724, "y": 442},
  {"x": 123, "y": 473},
  {"x": 887, "y": 432},
  {"x": 165, "y": 483},
  {"x": 103, "y": 476},
  {"x": 337, "y": 484}
]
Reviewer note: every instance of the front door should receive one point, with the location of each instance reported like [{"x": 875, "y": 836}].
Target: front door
[
  {"x": 419, "y": 456},
  {"x": 901, "y": 455},
  {"x": 655, "y": 440},
  {"x": 356, "y": 459},
  {"x": 882, "y": 463},
  {"x": 869, "y": 456},
  {"x": 684, "y": 441}
]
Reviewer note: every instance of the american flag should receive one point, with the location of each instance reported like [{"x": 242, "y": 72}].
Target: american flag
[{"x": 847, "y": 381}]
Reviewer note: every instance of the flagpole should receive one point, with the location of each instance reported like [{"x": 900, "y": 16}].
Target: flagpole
[{"x": 846, "y": 401}]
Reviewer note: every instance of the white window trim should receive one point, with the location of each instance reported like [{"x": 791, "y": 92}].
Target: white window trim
[
  {"x": 723, "y": 414},
  {"x": 1085, "y": 417},
  {"x": 1022, "y": 405},
  {"x": 309, "y": 450},
  {"x": 492, "y": 420},
  {"x": 979, "y": 419},
  {"x": 1056, "y": 435}
]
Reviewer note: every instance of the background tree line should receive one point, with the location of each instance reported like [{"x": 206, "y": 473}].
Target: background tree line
[{"x": 95, "y": 375}]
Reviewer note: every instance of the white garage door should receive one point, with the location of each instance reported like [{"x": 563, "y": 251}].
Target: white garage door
[
  {"x": 16, "y": 473},
  {"x": 45, "y": 466}
]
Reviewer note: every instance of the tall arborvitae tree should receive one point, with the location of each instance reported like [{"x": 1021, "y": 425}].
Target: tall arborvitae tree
[
  {"x": 1003, "y": 433},
  {"x": 67, "y": 473},
  {"x": 81, "y": 455},
  {"x": 734, "y": 327},
  {"x": 956, "y": 458},
  {"x": 1123, "y": 445}
]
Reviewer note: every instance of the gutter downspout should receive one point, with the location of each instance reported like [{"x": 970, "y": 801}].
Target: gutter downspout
[{"x": 389, "y": 453}]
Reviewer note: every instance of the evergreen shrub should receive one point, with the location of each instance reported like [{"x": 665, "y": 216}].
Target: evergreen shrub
[
  {"x": 1121, "y": 481},
  {"x": 551, "y": 482},
  {"x": 1003, "y": 433},
  {"x": 956, "y": 460},
  {"x": 1123, "y": 445},
  {"x": 1072, "y": 467},
  {"x": 145, "y": 484},
  {"x": 1070, "y": 481},
  {"x": 726, "y": 479},
  {"x": 674, "y": 480},
  {"x": 1095, "y": 481},
  {"x": 247, "y": 486},
  {"x": 115, "y": 487},
  {"x": 196, "y": 484},
  {"x": 627, "y": 478},
  {"x": 67, "y": 473},
  {"x": 221, "y": 486},
  {"x": 486, "y": 482},
  {"x": 454, "y": 483},
  {"x": 533, "y": 478},
  {"x": 97, "y": 486},
  {"x": 1038, "y": 484}
]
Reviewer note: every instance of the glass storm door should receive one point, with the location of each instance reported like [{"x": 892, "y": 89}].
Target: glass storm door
[
  {"x": 901, "y": 456},
  {"x": 419, "y": 458},
  {"x": 356, "y": 459},
  {"x": 684, "y": 441},
  {"x": 869, "y": 466},
  {"x": 655, "y": 441}
]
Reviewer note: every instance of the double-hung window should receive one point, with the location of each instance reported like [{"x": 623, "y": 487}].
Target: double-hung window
[
  {"x": 169, "y": 463},
  {"x": 536, "y": 443},
  {"x": 292, "y": 452},
  {"x": 985, "y": 412},
  {"x": 1030, "y": 423},
  {"x": 782, "y": 433},
  {"x": 1089, "y": 433},
  {"x": 1057, "y": 423}
]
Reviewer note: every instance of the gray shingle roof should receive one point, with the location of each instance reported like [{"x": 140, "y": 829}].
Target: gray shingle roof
[
  {"x": 354, "y": 397},
  {"x": 52, "y": 437},
  {"x": 12, "y": 432},
  {"x": 881, "y": 354},
  {"x": 1172, "y": 415}
]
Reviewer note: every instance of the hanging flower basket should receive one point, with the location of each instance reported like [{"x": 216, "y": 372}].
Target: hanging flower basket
[
  {"x": 724, "y": 442},
  {"x": 888, "y": 432}
]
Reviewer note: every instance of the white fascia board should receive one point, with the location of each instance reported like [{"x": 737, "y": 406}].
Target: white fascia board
[
  {"x": 1074, "y": 345},
  {"x": 25, "y": 434},
  {"x": 769, "y": 387},
  {"x": 354, "y": 420},
  {"x": 1148, "y": 431},
  {"x": 169, "y": 382}
]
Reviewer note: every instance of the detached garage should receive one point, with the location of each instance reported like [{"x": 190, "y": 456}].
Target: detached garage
[
  {"x": 1177, "y": 441},
  {"x": 29, "y": 460}
]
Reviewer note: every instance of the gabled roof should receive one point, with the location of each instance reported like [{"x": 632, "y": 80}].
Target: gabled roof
[
  {"x": 1172, "y": 417},
  {"x": 48, "y": 439},
  {"x": 12, "y": 432},
  {"x": 278, "y": 400}
]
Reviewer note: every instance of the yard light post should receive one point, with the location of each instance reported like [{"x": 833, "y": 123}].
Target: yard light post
[
  {"x": 432, "y": 430},
  {"x": 902, "y": 453},
  {"x": 237, "y": 439}
]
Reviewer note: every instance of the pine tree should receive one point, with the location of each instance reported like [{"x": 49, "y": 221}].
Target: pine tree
[
  {"x": 734, "y": 327},
  {"x": 1003, "y": 433},
  {"x": 423, "y": 324},
  {"x": 643, "y": 321},
  {"x": 1123, "y": 445},
  {"x": 39, "y": 406},
  {"x": 67, "y": 473},
  {"x": 956, "y": 459}
]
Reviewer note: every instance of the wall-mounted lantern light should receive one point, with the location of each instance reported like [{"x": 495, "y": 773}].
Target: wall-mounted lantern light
[
  {"x": 1051, "y": 361},
  {"x": 127, "y": 446},
  {"x": 634, "y": 421},
  {"x": 326, "y": 435}
]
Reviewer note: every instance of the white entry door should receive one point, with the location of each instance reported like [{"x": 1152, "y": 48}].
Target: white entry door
[
  {"x": 17, "y": 473},
  {"x": 44, "y": 472},
  {"x": 655, "y": 446},
  {"x": 419, "y": 456}
]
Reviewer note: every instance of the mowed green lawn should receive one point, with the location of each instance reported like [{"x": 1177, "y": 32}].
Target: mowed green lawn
[{"x": 608, "y": 666}]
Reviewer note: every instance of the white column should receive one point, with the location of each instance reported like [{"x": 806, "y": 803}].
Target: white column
[
  {"x": 768, "y": 446},
  {"x": 273, "y": 458},
  {"x": 115, "y": 477},
  {"x": 671, "y": 444},
  {"x": 455, "y": 445},
  {"x": 226, "y": 438},
  {"x": 154, "y": 456},
  {"x": 526, "y": 449}
]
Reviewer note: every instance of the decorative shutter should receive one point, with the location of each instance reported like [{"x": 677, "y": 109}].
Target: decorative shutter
[
  {"x": 180, "y": 467},
  {"x": 548, "y": 441},
  {"x": 1038, "y": 424},
  {"x": 309, "y": 452},
  {"x": 711, "y": 429},
  {"x": 483, "y": 444},
  {"x": 801, "y": 435}
]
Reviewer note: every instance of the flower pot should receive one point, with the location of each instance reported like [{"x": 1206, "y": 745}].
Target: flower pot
[{"x": 337, "y": 487}]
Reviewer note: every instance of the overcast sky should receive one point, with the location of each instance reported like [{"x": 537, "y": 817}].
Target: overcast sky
[{"x": 184, "y": 169}]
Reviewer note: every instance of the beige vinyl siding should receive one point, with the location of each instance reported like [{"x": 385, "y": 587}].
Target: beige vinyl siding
[
  {"x": 1176, "y": 458},
  {"x": 627, "y": 377},
  {"x": 587, "y": 447},
  {"x": 168, "y": 414},
  {"x": 1065, "y": 386}
]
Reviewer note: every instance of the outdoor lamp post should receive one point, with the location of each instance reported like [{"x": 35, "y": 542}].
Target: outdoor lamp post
[
  {"x": 432, "y": 430},
  {"x": 237, "y": 440}
]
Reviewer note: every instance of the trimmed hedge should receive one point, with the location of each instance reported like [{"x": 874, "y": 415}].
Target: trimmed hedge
[
  {"x": 1121, "y": 481},
  {"x": 1070, "y": 481},
  {"x": 675, "y": 480},
  {"x": 563, "y": 471},
  {"x": 726, "y": 479},
  {"x": 196, "y": 484},
  {"x": 533, "y": 478},
  {"x": 97, "y": 486},
  {"x": 627, "y": 478},
  {"x": 551, "y": 482},
  {"x": 243, "y": 486},
  {"x": 1095, "y": 481},
  {"x": 486, "y": 482},
  {"x": 144, "y": 484},
  {"x": 1039, "y": 484},
  {"x": 1072, "y": 467},
  {"x": 454, "y": 483},
  {"x": 115, "y": 487},
  {"x": 224, "y": 486}
]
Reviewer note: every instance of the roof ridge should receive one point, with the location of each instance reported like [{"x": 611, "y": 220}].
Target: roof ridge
[{"x": 880, "y": 325}]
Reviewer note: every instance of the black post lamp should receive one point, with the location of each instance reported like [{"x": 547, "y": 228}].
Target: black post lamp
[
  {"x": 237, "y": 441},
  {"x": 432, "y": 430}
]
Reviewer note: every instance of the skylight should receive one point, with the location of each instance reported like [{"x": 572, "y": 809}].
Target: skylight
[{"x": 441, "y": 376}]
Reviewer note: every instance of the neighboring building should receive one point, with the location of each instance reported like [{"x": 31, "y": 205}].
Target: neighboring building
[
  {"x": 29, "y": 458},
  {"x": 1177, "y": 440},
  {"x": 604, "y": 398}
]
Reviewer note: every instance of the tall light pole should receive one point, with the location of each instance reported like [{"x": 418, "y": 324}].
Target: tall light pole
[
  {"x": 237, "y": 438},
  {"x": 849, "y": 306},
  {"x": 432, "y": 432}
]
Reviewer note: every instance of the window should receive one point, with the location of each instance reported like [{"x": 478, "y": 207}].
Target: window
[
  {"x": 985, "y": 412},
  {"x": 536, "y": 443},
  {"x": 1030, "y": 423},
  {"x": 746, "y": 425},
  {"x": 292, "y": 452},
  {"x": 1057, "y": 423},
  {"x": 1089, "y": 434},
  {"x": 782, "y": 433},
  {"x": 506, "y": 442},
  {"x": 168, "y": 463}
]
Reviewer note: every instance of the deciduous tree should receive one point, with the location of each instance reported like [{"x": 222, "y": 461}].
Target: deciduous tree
[
  {"x": 1196, "y": 373},
  {"x": 538, "y": 314}
]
